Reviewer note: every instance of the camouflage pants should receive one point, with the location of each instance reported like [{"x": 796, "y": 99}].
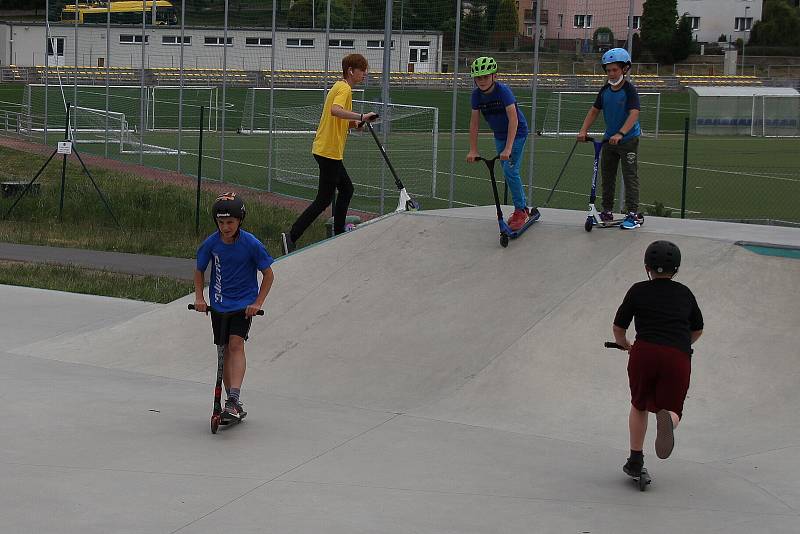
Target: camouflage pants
[{"x": 628, "y": 154}]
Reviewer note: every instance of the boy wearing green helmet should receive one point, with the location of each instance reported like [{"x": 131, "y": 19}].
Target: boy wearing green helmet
[{"x": 496, "y": 102}]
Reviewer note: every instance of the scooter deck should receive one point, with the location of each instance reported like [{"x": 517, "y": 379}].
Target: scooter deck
[{"x": 530, "y": 222}]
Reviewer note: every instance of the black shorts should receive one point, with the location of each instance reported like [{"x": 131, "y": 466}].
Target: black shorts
[{"x": 229, "y": 324}]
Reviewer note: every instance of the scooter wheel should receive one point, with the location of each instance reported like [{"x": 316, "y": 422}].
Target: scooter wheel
[
  {"x": 214, "y": 423},
  {"x": 504, "y": 241},
  {"x": 588, "y": 225}
]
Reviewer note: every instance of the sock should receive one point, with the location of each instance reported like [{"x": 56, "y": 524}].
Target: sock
[
  {"x": 233, "y": 394},
  {"x": 637, "y": 455}
]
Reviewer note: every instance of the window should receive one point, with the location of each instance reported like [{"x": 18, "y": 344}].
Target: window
[
  {"x": 529, "y": 30},
  {"x": 304, "y": 43},
  {"x": 258, "y": 41},
  {"x": 695, "y": 22},
  {"x": 133, "y": 39},
  {"x": 218, "y": 41},
  {"x": 743, "y": 24},
  {"x": 583, "y": 21},
  {"x": 377, "y": 44},
  {"x": 637, "y": 22},
  {"x": 176, "y": 40},
  {"x": 341, "y": 43},
  {"x": 560, "y": 20}
]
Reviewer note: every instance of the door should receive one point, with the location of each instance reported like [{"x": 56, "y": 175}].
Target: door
[
  {"x": 55, "y": 51},
  {"x": 419, "y": 55}
]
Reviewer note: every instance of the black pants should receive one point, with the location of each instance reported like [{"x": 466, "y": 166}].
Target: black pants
[{"x": 332, "y": 178}]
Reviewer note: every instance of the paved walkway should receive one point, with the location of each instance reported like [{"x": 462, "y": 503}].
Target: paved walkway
[{"x": 120, "y": 262}]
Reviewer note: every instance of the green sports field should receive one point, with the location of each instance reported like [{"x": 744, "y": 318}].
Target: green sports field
[{"x": 738, "y": 178}]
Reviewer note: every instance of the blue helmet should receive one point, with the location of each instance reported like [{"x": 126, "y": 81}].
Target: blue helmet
[{"x": 616, "y": 55}]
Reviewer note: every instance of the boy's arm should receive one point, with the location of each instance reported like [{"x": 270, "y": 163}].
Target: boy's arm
[
  {"x": 696, "y": 335},
  {"x": 633, "y": 116},
  {"x": 345, "y": 114},
  {"x": 591, "y": 116},
  {"x": 199, "y": 299},
  {"x": 620, "y": 337},
  {"x": 474, "y": 122},
  {"x": 513, "y": 124},
  {"x": 263, "y": 291}
]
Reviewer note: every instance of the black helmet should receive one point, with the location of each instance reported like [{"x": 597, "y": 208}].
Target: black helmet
[
  {"x": 663, "y": 257},
  {"x": 228, "y": 205}
]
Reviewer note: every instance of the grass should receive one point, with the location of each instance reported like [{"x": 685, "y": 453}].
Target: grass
[
  {"x": 92, "y": 282},
  {"x": 155, "y": 218},
  {"x": 738, "y": 178}
]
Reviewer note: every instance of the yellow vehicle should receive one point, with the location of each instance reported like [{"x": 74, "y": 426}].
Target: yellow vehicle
[{"x": 122, "y": 12}]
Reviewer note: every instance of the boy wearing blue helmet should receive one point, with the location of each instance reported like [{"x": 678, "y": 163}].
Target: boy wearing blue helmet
[{"x": 619, "y": 103}]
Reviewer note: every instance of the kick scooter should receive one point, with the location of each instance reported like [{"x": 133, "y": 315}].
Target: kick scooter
[
  {"x": 216, "y": 414},
  {"x": 506, "y": 233},
  {"x": 593, "y": 218}
]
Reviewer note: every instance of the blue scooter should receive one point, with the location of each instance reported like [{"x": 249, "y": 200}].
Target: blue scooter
[{"x": 506, "y": 232}]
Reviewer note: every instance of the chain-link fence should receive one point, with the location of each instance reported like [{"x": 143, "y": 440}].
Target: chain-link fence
[{"x": 145, "y": 81}]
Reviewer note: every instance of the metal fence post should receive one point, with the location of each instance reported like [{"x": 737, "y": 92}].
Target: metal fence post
[{"x": 685, "y": 165}]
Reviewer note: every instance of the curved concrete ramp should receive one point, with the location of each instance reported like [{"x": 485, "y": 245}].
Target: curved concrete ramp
[{"x": 415, "y": 377}]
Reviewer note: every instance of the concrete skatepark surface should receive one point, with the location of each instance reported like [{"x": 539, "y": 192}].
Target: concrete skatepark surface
[{"x": 411, "y": 376}]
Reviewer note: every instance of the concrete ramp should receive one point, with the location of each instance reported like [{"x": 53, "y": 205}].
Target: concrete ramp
[{"x": 444, "y": 384}]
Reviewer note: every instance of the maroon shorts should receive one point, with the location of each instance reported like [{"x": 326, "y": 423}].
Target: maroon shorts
[{"x": 658, "y": 376}]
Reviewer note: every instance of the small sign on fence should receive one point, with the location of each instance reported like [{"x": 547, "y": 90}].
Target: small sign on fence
[{"x": 65, "y": 147}]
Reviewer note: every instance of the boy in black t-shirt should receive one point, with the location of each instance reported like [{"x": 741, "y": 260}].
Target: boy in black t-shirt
[{"x": 668, "y": 321}]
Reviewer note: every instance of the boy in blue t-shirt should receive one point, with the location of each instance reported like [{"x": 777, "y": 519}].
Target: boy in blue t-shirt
[
  {"x": 496, "y": 102},
  {"x": 233, "y": 290},
  {"x": 619, "y": 102}
]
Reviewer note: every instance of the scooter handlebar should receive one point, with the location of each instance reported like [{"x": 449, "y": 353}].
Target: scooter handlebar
[
  {"x": 612, "y": 345},
  {"x": 259, "y": 312}
]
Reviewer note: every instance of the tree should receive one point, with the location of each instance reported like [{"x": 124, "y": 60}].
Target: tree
[
  {"x": 473, "y": 28},
  {"x": 603, "y": 38},
  {"x": 682, "y": 42},
  {"x": 659, "y": 18},
  {"x": 779, "y": 25},
  {"x": 507, "y": 21}
]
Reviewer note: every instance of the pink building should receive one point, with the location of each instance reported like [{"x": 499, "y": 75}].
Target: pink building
[{"x": 578, "y": 19}]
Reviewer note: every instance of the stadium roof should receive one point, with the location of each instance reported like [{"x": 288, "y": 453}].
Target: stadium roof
[{"x": 742, "y": 91}]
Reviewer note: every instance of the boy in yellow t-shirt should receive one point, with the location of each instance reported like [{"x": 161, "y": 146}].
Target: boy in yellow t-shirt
[{"x": 328, "y": 149}]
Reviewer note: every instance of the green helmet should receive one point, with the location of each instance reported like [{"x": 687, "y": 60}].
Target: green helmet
[{"x": 482, "y": 66}]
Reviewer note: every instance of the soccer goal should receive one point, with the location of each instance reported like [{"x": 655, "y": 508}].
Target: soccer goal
[
  {"x": 45, "y": 105},
  {"x": 411, "y": 133},
  {"x": 256, "y": 116},
  {"x": 566, "y": 111},
  {"x": 166, "y": 101},
  {"x": 775, "y": 116}
]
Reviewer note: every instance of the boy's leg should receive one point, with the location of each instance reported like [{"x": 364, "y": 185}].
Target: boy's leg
[
  {"x": 609, "y": 161},
  {"x": 328, "y": 176},
  {"x": 345, "y": 187},
  {"x": 673, "y": 384},
  {"x": 637, "y": 425},
  {"x": 629, "y": 154},
  {"x": 511, "y": 171},
  {"x": 235, "y": 363}
]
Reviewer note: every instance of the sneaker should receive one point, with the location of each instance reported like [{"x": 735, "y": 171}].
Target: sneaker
[
  {"x": 534, "y": 213},
  {"x": 606, "y": 216},
  {"x": 633, "y": 467},
  {"x": 232, "y": 410},
  {"x": 631, "y": 221},
  {"x": 287, "y": 243},
  {"x": 518, "y": 219},
  {"x": 665, "y": 438}
]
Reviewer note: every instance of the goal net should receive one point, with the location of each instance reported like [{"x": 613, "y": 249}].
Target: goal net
[
  {"x": 566, "y": 111},
  {"x": 256, "y": 116},
  {"x": 165, "y": 102},
  {"x": 411, "y": 143},
  {"x": 776, "y": 116}
]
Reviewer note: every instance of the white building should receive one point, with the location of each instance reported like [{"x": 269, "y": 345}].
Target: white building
[
  {"x": 712, "y": 18},
  {"x": 24, "y": 44}
]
